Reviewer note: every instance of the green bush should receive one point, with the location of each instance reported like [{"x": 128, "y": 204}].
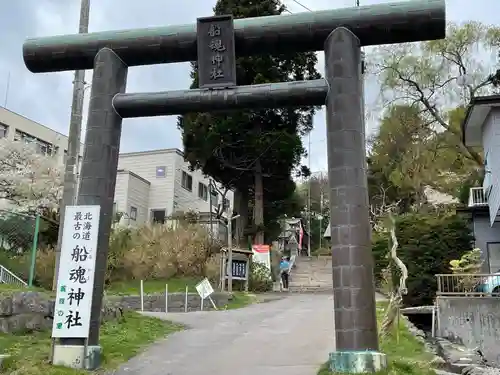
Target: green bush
[
  {"x": 260, "y": 278},
  {"x": 427, "y": 244}
]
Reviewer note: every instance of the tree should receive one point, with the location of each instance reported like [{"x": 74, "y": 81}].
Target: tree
[
  {"x": 440, "y": 78},
  {"x": 317, "y": 187},
  {"x": 401, "y": 151},
  {"x": 29, "y": 181},
  {"x": 251, "y": 151},
  {"x": 318, "y": 183}
]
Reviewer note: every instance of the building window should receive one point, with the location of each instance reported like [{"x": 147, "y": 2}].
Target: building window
[
  {"x": 133, "y": 213},
  {"x": 225, "y": 205},
  {"x": 187, "y": 181},
  {"x": 3, "y": 130},
  {"x": 158, "y": 216},
  {"x": 214, "y": 197},
  {"x": 494, "y": 256},
  {"x": 203, "y": 191},
  {"x": 161, "y": 171},
  {"x": 41, "y": 147}
]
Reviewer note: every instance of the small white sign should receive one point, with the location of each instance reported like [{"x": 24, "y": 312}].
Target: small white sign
[
  {"x": 75, "y": 282},
  {"x": 204, "y": 288}
]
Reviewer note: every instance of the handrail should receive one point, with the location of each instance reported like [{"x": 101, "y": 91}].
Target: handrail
[
  {"x": 468, "y": 284},
  {"x": 8, "y": 277},
  {"x": 477, "y": 197}
]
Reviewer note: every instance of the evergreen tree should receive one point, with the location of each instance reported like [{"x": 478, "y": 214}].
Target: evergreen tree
[{"x": 254, "y": 152}]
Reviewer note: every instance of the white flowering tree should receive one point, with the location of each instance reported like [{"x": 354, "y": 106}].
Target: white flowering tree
[{"x": 29, "y": 181}]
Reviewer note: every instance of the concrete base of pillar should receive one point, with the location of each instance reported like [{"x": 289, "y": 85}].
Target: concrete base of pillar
[
  {"x": 357, "y": 362},
  {"x": 73, "y": 356}
]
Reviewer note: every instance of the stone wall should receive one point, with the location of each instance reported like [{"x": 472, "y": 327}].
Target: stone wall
[
  {"x": 176, "y": 302},
  {"x": 473, "y": 322},
  {"x": 34, "y": 311}
]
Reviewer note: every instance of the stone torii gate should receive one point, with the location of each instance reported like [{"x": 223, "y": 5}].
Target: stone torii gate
[{"x": 340, "y": 33}]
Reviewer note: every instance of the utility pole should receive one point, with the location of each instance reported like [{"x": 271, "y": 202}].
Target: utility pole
[
  {"x": 210, "y": 203},
  {"x": 309, "y": 200},
  {"x": 7, "y": 91},
  {"x": 75, "y": 129},
  {"x": 230, "y": 250},
  {"x": 230, "y": 219},
  {"x": 321, "y": 215}
]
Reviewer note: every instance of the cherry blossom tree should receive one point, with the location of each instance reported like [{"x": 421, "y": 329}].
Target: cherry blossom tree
[{"x": 29, "y": 181}]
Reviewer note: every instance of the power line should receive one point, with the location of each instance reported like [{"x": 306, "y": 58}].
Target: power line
[{"x": 302, "y": 5}]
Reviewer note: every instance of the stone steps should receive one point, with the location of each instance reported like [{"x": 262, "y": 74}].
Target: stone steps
[
  {"x": 311, "y": 289},
  {"x": 312, "y": 275}
]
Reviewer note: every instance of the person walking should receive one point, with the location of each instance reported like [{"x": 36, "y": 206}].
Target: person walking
[{"x": 284, "y": 269}]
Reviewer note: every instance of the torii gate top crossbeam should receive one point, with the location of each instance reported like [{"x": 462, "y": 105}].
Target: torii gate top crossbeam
[{"x": 408, "y": 21}]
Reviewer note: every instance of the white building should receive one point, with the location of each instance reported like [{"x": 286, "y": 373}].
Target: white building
[
  {"x": 13, "y": 126},
  {"x": 150, "y": 186},
  {"x": 153, "y": 185},
  {"x": 481, "y": 129}
]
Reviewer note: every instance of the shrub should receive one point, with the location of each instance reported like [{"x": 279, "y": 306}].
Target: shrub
[
  {"x": 427, "y": 244},
  {"x": 260, "y": 278},
  {"x": 147, "y": 253},
  {"x": 44, "y": 267},
  {"x": 469, "y": 264},
  {"x": 212, "y": 269},
  {"x": 161, "y": 252},
  {"x": 322, "y": 251}
]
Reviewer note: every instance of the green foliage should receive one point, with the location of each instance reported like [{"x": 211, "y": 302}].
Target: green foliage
[
  {"x": 427, "y": 244},
  {"x": 260, "y": 278},
  {"x": 400, "y": 151},
  {"x": 470, "y": 262},
  {"x": 17, "y": 232},
  {"x": 278, "y": 203}
]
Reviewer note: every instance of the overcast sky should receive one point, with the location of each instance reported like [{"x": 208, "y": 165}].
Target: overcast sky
[{"x": 46, "y": 98}]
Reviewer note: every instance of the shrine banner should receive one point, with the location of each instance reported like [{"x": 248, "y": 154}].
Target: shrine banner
[{"x": 262, "y": 254}]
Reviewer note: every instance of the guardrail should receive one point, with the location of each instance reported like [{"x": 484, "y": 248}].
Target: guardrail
[
  {"x": 477, "y": 197},
  {"x": 468, "y": 285},
  {"x": 8, "y": 277}
]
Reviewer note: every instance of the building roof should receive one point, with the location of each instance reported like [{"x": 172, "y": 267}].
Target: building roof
[
  {"x": 134, "y": 175},
  {"x": 477, "y": 112},
  {"x": 151, "y": 152}
]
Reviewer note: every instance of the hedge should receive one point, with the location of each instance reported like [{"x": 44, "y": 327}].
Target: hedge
[{"x": 427, "y": 244}]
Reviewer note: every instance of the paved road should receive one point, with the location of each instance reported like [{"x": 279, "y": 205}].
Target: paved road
[{"x": 292, "y": 336}]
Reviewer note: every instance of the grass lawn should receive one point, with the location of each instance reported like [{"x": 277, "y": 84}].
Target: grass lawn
[
  {"x": 406, "y": 357},
  {"x": 176, "y": 285},
  {"x": 239, "y": 300},
  {"x": 133, "y": 287},
  {"x": 120, "y": 341},
  {"x": 8, "y": 288}
]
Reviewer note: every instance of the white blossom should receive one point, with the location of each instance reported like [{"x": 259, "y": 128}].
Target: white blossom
[{"x": 29, "y": 181}]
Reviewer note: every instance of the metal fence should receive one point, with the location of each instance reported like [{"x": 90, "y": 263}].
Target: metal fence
[
  {"x": 8, "y": 277},
  {"x": 20, "y": 236},
  {"x": 468, "y": 285},
  {"x": 18, "y": 232}
]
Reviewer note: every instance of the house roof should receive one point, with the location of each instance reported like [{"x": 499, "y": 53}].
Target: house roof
[{"x": 477, "y": 112}]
